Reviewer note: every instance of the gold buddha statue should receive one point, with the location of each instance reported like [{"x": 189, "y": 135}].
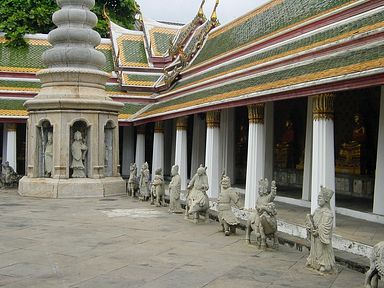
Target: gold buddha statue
[
  {"x": 284, "y": 149},
  {"x": 351, "y": 153}
]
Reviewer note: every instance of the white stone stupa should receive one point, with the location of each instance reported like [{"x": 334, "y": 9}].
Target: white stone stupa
[{"x": 73, "y": 141}]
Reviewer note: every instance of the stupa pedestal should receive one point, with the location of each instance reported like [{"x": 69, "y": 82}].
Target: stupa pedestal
[{"x": 73, "y": 140}]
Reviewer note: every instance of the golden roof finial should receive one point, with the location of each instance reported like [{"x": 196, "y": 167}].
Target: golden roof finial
[
  {"x": 201, "y": 12},
  {"x": 214, "y": 15},
  {"x": 105, "y": 13}
]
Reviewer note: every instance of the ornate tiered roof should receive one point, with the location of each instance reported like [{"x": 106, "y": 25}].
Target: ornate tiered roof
[{"x": 285, "y": 48}]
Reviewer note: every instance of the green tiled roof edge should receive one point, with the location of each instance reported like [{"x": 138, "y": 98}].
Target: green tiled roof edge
[
  {"x": 162, "y": 41},
  {"x": 143, "y": 77},
  {"x": 344, "y": 59},
  {"x": 332, "y": 32},
  {"x": 281, "y": 15},
  {"x": 130, "y": 108},
  {"x": 19, "y": 84},
  {"x": 11, "y": 104}
]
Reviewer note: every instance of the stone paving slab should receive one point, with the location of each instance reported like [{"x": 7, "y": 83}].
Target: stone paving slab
[{"x": 120, "y": 242}]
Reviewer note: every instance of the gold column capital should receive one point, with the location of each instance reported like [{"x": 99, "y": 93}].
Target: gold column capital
[
  {"x": 159, "y": 127},
  {"x": 140, "y": 129},
  {"x": 213, "y": 119},
  {"x": 256, "y": 113},
  {"x": 11, "y": 127},
  {"x": 182, "y": 123},
  {"x": 322, "y": 106}
]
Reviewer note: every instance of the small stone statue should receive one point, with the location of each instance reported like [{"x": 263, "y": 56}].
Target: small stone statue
[
  {"x": 158, "y": 190},
  {"x": 8, "y": 176},
  {"x": 174, "y": 191},
  {"x": 144, "y": 183},
  {"x": 376, "y": 269},
  {"x": 79, "y": 150},
  {"x": 227, "y": 196},
  {"x": 197, "y": 198},
  {"x": 48, "y": 156},
  {"x": 132, "y": 181},
  {"x": 263, "y": 221},
  {"x": 319, "y": 229}
]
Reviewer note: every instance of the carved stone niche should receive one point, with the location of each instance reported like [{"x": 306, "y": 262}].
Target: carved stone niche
[
  {"x": 109, "y": 135},
  {"x": 78, "y": 150},
  {"x": 44, "y": 148}
]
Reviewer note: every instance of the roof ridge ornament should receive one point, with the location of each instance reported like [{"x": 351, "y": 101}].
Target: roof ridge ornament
[
  {"x": 200, "y": 14},
  {"x": 214, "y": 14}
]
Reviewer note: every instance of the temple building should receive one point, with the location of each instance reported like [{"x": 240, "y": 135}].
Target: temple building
[{"x": 291, "y": 91}]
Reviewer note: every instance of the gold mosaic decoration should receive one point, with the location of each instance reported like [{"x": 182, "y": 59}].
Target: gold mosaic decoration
[
  {"x": 323, "y": 106},
  {"x": 292, "y": 52},
  {"x": 8, "y": 112},
  {"x": 334, "y": 72},
  {"x": 256, "y": 113},
  {"x": 128, "y": 82}
]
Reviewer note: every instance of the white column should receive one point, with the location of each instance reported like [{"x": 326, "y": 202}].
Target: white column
[
  {"x": 323, "y": 157},
  {"x": 256, "y": 153},
  {"x": 10, "y": 154},
  {"x": 306, "y": 191},
  {"x": 181, "y": 150},
  {"x": 140, "y": 147},
  {"x": 198, "y": 143},
  {"x": 227, "y": 138},
  {"x": 128, "y": 153},
  {"x": 158, "y": 148},
  {"x": 269, "y": 131},
  {"x": 378, "y": 196},
  {"x": 213, "y": 153}
]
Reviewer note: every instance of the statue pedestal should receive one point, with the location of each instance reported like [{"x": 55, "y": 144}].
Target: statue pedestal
[{"x": 71, "y": 188}]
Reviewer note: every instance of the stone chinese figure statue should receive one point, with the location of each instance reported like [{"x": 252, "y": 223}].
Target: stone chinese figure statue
[
  {"x": 132, "y": 181},
  {"x": 319, "y": 229},
  {"x": 158, "y": 191},
  {"x": 174, "y": 191},
  {"x": 197, "y": 198},
  {"x": 263, "y": 221},
  {"x": 78, "y": 150},
  {"x": 144, "y": 182},
  {"x": 226, "y": 199},
  {"x": 376, "y": 269},
  {"x": 48, "y": 156}
]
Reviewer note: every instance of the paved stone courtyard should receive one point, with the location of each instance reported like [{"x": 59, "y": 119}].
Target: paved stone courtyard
[{"x": 120, "y": 242}]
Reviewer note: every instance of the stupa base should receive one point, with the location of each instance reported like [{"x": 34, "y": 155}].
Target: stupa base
[{"x": 71, "y": 188}]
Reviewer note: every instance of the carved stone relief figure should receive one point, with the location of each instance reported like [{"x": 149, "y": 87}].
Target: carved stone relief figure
[
  {"x": 48, "y": 155},
  {"x": 174, "y": 191},
  {"x": 79, "y": 151},
  {"x": 320, "y": 229},
  {"x": 226, "y": 199},
  {"x": 108, "y": 152}
]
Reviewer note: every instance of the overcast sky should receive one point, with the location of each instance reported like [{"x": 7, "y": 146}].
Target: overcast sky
[{"x": 183, "y": 11}]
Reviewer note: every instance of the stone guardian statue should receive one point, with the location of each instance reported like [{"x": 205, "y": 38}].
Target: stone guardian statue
[
  {"x": 158, "y": 191},
  {"x": 144, "y": 182},
  {"x": 263, "y": 220},
  {"x": 376, "y": 269},
  {"x": 132, "y": 181},
  {"x": 174, "y": 191},
  {"x": 319, "y": 229},
  {"x": 79, "y": 151},
  {"x": 226, "y": 199}
]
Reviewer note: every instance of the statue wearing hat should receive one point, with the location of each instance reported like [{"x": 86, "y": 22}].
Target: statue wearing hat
[{"x": 319, "y": 229}]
